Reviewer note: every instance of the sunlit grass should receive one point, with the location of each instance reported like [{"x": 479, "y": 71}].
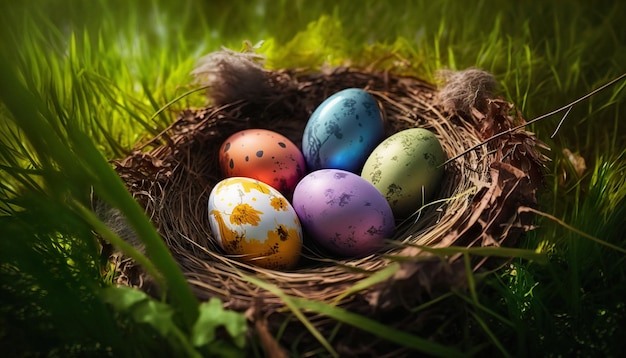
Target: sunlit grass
[{"x": 95, "y": 74}]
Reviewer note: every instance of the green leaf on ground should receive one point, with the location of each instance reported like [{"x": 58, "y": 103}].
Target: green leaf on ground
[
  {"x": 213, "y": 315},
  {"x": 141, "y": 307}
]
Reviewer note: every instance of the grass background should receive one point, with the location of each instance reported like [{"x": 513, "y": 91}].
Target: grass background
[{"x": 81, "y": 81}]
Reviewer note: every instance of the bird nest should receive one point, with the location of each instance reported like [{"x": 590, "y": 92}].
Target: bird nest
[{"x": 480, "y": 202}]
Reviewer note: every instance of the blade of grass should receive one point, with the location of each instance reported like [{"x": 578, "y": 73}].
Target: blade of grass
[
  {"x": 573, "y": 229},
  {"x": 383, "y": 331},
  {"x": 490, "y": 334},
  {"x": 111, "y": 188},
  {"x": 391, "y": 334},
  {"x": 506, "y": 252},
  {"x": 111, "y": 237},
  {"x": 377, "y": 277},
  {"x": 108, "y": 185},
  {"x": 170, "y": 103},
  {"x": 290, "y": 302},
  {"x": 471, "y": 281},
  {"x": 432, "y": 302}
]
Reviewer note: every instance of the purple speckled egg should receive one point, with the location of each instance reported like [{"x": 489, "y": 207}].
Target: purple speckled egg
[{"x": 343, "y": 212}]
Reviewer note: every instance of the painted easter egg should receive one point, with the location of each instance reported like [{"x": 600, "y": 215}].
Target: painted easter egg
[
  {"x": 255, "y": 223},
  {"x": 263, "y": 155},
  {"x": 343, "y": 212},
  {"x": 407, "y": 168},
  {"x": 342, "y": 131}
]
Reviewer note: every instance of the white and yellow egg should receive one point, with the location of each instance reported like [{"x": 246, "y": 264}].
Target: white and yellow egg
[{"x": 255, "y": 223}]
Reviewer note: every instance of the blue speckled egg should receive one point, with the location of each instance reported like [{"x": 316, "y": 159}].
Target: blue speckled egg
[{"x": 342, "y": 131}]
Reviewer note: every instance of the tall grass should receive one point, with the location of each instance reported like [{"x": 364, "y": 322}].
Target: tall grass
[{"x": 82, "y": 81}]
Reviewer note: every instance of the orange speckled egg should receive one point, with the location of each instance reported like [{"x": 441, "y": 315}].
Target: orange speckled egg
[
  {"x": 263, "y": 155},
  {"x": 255, "y": 223}
]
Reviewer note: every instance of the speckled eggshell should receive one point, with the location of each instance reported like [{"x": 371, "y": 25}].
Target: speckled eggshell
[
  {"x": 263, "y": 155},
  {"x": 404, "y": 166},
  {"x": 342, "y": 131},
  {"x": 255, "y": 223},
  {"x": 343, "y": 212}
]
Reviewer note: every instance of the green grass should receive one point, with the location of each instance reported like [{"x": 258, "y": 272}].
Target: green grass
[{"x": 82, "y": 80}]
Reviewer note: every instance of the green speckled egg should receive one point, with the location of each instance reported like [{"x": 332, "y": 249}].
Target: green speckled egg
[{"x": 404, "y": 166}]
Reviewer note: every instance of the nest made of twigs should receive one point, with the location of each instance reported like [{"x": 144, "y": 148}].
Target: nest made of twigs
[{"x": 477, "y": 204}]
